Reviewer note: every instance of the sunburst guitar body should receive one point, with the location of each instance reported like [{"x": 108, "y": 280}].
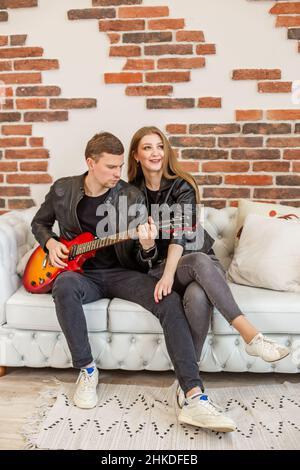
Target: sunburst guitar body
[{"x": 39, "y": 275}]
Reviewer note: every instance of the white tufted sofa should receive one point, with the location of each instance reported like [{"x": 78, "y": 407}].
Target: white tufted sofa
[{"x": 122, "y": 334}]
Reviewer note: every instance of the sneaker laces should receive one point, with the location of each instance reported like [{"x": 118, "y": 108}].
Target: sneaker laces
[
  {"x": 217, "y": 407},
  {"x": 268, "y": 343},
  {"x": 85, "y": 380},
  {"x": 211, "y": 406}
]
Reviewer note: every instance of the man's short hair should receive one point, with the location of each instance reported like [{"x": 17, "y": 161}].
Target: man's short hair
[{"x": 103, "y": 142}]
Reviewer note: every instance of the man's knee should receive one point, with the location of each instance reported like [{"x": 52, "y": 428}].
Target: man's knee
[
  {"x": 195, "y": 294},
  {"x": 67, "y": 282},
  {"x": 170, "y": 306}
]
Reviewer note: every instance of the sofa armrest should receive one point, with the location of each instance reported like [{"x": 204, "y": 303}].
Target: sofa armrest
[{"x": 15, "y": 240}]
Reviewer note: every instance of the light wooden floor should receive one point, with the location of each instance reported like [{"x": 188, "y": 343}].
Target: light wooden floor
[{"x": 20, "y": 387}]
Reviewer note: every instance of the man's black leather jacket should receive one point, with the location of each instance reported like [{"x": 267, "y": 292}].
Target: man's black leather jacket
[{"x": 61, "y": 204}]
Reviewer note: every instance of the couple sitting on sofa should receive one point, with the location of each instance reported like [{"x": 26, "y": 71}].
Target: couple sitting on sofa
[{"x": 166, "y": 271}]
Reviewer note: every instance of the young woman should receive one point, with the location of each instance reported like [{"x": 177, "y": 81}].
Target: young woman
[{"x": 197, "y": 275}]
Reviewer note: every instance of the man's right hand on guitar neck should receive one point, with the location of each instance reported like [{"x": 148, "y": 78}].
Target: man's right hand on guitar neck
[{"x": 57, "y": 252}]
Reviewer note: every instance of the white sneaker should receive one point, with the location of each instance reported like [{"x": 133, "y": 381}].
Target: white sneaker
[
  {"x": 266, "y": 348},
  {"x": 85, "y": 395},
  {"x": 180, "y": 397},
  {"x": 201, "y": 412}
]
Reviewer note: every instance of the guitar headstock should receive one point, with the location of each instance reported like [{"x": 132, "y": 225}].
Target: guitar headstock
[{"x": 177, "y": 225}]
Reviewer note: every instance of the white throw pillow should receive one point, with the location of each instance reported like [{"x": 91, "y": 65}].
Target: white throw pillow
[
  {"x": 260, "y": 208},
  {"x": 268, "y": 254}
]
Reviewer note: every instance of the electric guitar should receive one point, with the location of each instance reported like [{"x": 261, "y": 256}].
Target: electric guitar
[{"x": 39, "y": 274}]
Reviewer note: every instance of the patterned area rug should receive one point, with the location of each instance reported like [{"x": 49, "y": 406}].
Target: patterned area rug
[{"x": 134, "y": 417}]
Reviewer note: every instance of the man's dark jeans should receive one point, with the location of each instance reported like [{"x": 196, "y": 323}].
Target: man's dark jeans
[{"x": 72, "y": 289}]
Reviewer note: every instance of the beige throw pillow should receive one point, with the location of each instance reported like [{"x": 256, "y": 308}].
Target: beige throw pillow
[
  {"x": 268, "y": 254},
  {"x": 269, "y": 210}
]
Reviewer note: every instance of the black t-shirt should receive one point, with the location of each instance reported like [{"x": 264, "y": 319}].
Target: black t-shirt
[
  {"x": 86, "y": 213},
  {"x": 154, "y": 197}
]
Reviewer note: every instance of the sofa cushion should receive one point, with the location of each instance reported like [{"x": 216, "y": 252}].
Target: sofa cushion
[
  {"x": 37, "y": 312},
  {"x": 129, "y": 317},
  {"x": 270, "y": 311}
]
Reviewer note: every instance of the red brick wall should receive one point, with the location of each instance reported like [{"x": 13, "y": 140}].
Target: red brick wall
[
  {"x": 256, "y": 156},
  {"x": 6, "y": 4},
  {"x": 288, "y": 16},
  {"x": 24, "y": 100},
  {"x": 159, "y": 51}
]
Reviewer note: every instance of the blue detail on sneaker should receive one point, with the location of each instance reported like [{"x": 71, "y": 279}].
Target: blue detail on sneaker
[
  {"x": 203, "y": 397},
  {"x": 89, "y": 370}
]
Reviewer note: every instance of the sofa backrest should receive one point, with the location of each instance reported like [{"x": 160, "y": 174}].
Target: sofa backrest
[
  {"x": 220, "y": 224},
  {"x": 20, "y": 222}
]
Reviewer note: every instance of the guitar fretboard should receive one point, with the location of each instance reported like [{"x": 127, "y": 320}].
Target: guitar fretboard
[
  {"x": 102, "y": 242},
  {"x": 117, "y": 238}
]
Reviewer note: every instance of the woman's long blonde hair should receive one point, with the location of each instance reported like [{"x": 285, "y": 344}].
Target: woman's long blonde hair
[{"x": 171, "y": 168}]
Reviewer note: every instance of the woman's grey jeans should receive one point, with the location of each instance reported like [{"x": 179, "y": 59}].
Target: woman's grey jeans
[{"x": 200, "y": 280}]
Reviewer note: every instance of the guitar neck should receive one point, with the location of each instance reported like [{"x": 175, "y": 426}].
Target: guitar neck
[
  {"x": 117, "y": 238},
  {"x": 103, "y": 242}
]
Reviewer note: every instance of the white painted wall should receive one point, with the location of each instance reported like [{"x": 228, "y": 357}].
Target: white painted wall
[{"x": 243, "y": 31}]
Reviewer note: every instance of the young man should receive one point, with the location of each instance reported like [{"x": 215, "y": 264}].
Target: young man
[{"x": 75, "y": 203}]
